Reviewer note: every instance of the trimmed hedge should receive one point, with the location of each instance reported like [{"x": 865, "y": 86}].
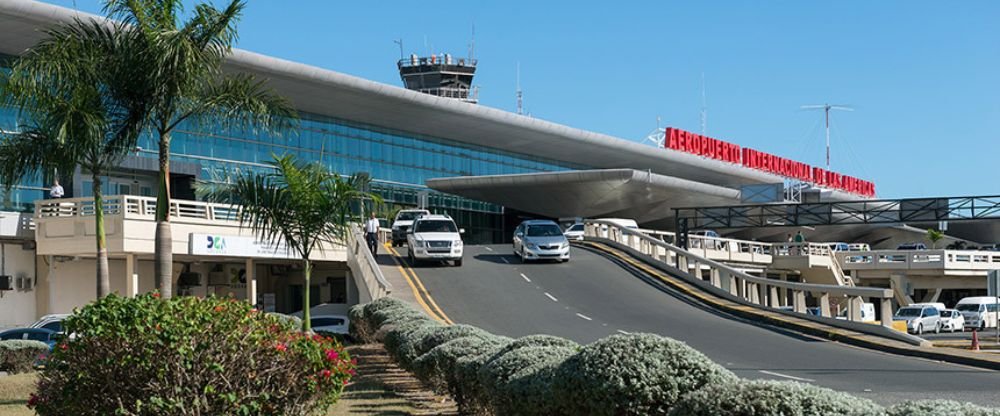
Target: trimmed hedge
[
  {"x": 19, "y": 356},
  {"x": 635, "y": 374},
  {"x": 427, "y": 341},
  {"x": 437, "y": 366},
  {"x": 940, "y": 407},
  {"x": 529, "y": 391},
  {"x": 772, "y": 398},
  {"x": 496, "y": 375}
]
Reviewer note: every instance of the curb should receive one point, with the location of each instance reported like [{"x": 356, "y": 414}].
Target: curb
[{"x": 820, "y": 330}]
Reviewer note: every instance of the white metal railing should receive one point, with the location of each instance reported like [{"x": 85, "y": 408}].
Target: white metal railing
[
  {"x": 757, "y": 290},
  {"x": 136, "y": 207},
  {"x": 920, "y": 259},
  {"x": 364, "y": 266}
]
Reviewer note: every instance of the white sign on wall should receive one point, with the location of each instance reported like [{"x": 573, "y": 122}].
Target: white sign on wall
[{"x": 237, "y": 246}]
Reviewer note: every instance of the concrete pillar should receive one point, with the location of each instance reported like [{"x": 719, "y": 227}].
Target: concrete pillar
[
  {"x": 783, "y": 293},
  {"x": 131, "y": 277},
  {"x": 824, "y": 304},
  {"x": 682, "y": 263},
  {"x": 772, "y": 297},
  {"x": 799, "y": 301},
  {"x": 854, "y": 308},
  {"x": 251, "y": 283},
  {"x": 762, "y": 295},
  {"x": 715, "y": 277},
  {"x": 886, "y": 312}
]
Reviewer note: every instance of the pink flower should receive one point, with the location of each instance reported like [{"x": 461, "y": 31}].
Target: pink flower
[
  {"x": 325, "y": 373},
  {"x": 281, "y": 347},
  {"x": 332, "y": 355},
  {"x": 156, "y": 295},
  {"x": 63, "y": 347},
  {"x": 346, "y": 381},
  {"x": 352, "y": 372},
  {"x": 33, "y": 400},
  {"x": 354, "y": 361}
]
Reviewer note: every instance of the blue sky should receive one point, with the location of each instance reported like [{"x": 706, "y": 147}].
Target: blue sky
[{"x": 924, "y": 77}]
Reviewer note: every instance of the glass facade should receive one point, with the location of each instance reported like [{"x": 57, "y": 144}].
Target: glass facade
[{"x": 399, "y": 162}]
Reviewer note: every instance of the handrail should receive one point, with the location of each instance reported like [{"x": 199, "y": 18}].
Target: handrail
[
  {"x": 758, "y": 290},
  {"x": 363, "y": 265}
]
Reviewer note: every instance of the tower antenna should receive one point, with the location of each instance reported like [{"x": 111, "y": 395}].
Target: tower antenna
[
  {"x": 704, "y": 107},
  {"x": 520, "y": 95},
  {"x": 400, "y": 43},
  {"x": 472, "y": 43},
  {"x": 826, "y": 109}
]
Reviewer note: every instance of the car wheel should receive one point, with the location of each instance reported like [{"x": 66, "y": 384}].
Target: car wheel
[
  {"x": 521, "y": 255},
  {"x": 920, "y": 329},
  {"x": 458, "y": 263},
  {"x": 937, "y": 328}
]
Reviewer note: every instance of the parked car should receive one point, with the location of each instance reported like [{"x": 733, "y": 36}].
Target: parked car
[
  {"x": 622, "y": 222},
  {"x": 52, "y": 322},
  {"x": 402, "y": 222},
  {"x": 709, "y": 243},
  {"x": 859, "y": 247},
  {"x": 435, "y": 237},
  {"x": 839, "y": 246},
  {"x": 940, "y": 306},
  {"x": 574, "y": 232},
  {"x": 336, "y": 324},
  {"x": 540, "y": 240},
  {"x": 911, "y": 246},
  {"x": 952, "y": 320},
  {"x": 919, "y": 318},
  {"x": 47, "y": 336},
  {"x": 979, "y": 311}
]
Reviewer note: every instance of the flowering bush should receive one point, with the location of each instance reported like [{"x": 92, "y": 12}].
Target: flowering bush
[
  {"x": 940, "y": 407},
  {"x": 188, "y": 356},
  {"x": 772, "y": 398},
  {"x": 18, "y": 356},
  {"x": 634, "y": 374}
]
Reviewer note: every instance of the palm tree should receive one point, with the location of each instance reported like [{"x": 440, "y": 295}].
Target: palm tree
[
  {"x": 934, "y": 236},
  {"x": 302, "y": 205},
  {"x": 79, "y": 109},
  {"x": 184, "y": 83}
]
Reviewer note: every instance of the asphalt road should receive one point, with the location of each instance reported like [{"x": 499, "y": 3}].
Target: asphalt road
[{"x": 591, "y": 297}]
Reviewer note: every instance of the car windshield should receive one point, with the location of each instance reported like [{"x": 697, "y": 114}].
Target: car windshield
[
  {"x": 546, "y": 230},
  {"x": 908, "y": 312},
  {"x": 946, "y": 314},
  {"x": 578, "y": 227},
  {"x": 408, "y": 216},
  {"x": 436, "y": 226},
  {"x": 968, "y": 307}
]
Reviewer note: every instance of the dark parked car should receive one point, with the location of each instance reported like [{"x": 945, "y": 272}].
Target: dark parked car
[{"x": 47, "y": 336}]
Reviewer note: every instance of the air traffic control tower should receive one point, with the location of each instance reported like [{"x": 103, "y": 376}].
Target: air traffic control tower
[{"x": 441, "y": 75}]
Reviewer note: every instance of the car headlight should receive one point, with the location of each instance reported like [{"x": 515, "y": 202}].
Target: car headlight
[
  {"x": 457, "y": 243},
  {"x": 565, "y": 245},
  {"x": 531, "y": 245},
  {"x": 418, "y": 243},
  {"x": 395, "y": 228}
]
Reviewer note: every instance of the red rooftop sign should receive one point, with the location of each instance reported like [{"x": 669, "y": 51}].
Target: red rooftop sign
[{"x": 697, "y": 144}]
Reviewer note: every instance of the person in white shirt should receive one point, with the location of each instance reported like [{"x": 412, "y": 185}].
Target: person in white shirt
[
  {"x": 56, "y": 191},
  {"x": 371, "y": 233}
]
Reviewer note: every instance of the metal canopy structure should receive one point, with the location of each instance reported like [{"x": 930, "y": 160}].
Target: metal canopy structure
[{"x": 877, "y": 211}]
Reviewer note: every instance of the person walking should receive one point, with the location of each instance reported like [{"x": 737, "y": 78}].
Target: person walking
[
  {"x": 371, "y": 233},
  {"x": 56, "y": 191}
]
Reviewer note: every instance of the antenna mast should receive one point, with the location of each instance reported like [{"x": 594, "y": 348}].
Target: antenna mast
[
  {"x": 826, "y": 109},
  {"x": 704, "y": 107},
  {"x": 520, "y": 101},
  {"x": 400, "y": 43},
  {"x": 472, "y": 44}
]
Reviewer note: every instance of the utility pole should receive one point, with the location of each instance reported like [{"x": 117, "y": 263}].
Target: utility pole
[
  {"x": 704, "y": 108},
  {"x": 826, "y": 109}
]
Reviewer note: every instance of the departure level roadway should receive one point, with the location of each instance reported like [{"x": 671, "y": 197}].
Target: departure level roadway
[{"x": 591, "y": 297}]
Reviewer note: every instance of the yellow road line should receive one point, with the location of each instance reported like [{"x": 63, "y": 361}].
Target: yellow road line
[{"x": 419, "y": 291}]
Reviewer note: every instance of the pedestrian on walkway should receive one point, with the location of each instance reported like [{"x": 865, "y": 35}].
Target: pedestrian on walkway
[
  {"x": 56, "y": 191},
  {"x": 371, "y": 233}
]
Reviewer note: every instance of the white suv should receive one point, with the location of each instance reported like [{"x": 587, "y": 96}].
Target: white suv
[
  {"x": 434, "y": 237},
  {"x": 402, "y": 222}
]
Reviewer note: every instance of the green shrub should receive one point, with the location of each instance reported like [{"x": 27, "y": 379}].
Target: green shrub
[
  {"x": 359, "y": 326},
  {"x": 382, "y": 303},
  {"x": 18, "y": 356},
  {"x": 437, "y": 366},
  {"x": 495, "y": 376},
  {"x": 440, "y": 335},
  {"x": 530, "y": 392},
  {"x": 537, "y": 341},
  {"x": 466, "y": 389},
  {"x": 186, "y": 356},
  {"x": 634, "y": 374},
  {"x": 940, "y": 407},
  {"x": 772, "y": 398},
  {"x": 396, "y": 315},
  {"x": 400, "y": 339}
]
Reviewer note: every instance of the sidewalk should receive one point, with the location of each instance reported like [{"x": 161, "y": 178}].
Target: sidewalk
[{"x": 392, "y": 272}]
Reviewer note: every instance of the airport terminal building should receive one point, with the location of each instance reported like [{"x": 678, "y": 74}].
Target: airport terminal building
[{"x": 428, "y": 144}]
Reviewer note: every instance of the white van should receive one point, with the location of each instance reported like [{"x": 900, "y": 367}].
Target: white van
[
  {"x": 622, "y": 222},
  {"x": 867, "y": 312},
  {"x": 979, "y": 311}
]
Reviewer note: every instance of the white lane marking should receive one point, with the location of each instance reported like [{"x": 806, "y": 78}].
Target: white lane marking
[
  {"x": 771, "y": 373},
  {"x": 623, "y": 332},
  {"x": 551, "y": 297},
  {"x": 584, "y": 316},
  {"x": 490, "y": 249},
  {"x": 526, "y": 279},
  {"x": 504, "y": 260}
]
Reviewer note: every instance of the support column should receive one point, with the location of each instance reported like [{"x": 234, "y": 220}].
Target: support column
[
  {"x": 885, "y": 312},
  {"x": 772, "y": 297},
  {"x": 131, "y": 277},
  {"x": 783, "y": 293},
  {"x": 799, "y": 301},
  {"x": 251, "y": 283},
  {"x": 824, "y": 305}
]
